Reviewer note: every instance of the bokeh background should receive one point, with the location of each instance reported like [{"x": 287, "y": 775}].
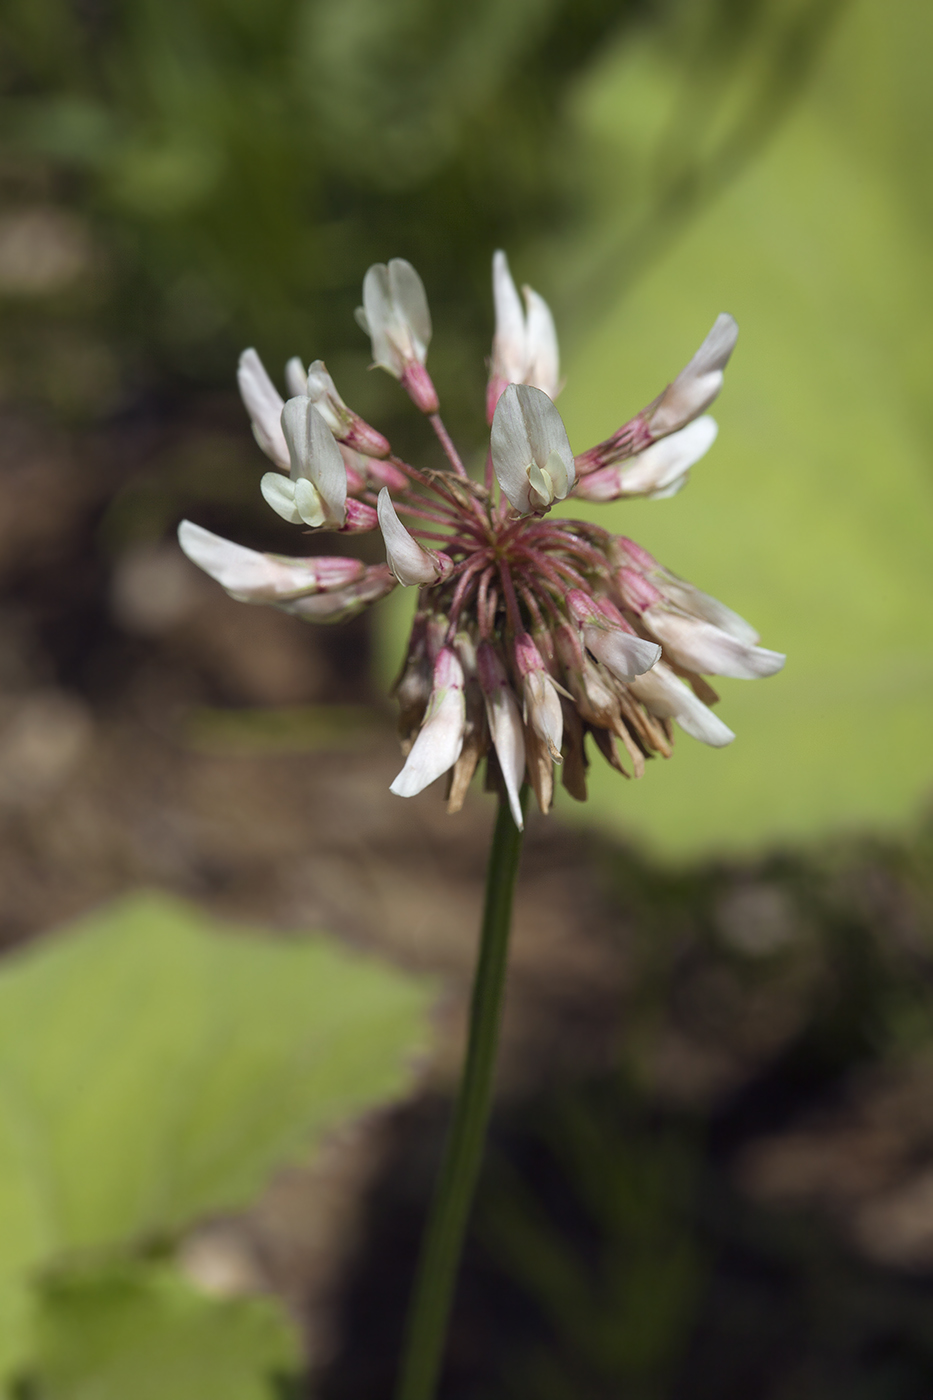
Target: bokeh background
[{"x": 713, "y": 1167}]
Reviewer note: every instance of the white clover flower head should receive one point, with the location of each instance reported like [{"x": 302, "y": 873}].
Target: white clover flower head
[{"x": 531, "y": 633}]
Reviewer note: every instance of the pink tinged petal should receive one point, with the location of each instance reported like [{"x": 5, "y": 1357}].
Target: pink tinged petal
[
  {"x": 505, "y": 726},
  {"x": 698, "y": 383},
  {"x": 509, "y": 351},
  {"x": 315, "y": 458},
  {"x": 699, "y": 604},
  {"x": 622, "y": 653},
  {"x": 411, "y": 565},
  {"x": 264, "y": 406},
  {"x": 440, "y": 739},
  {"x": 531, "y": 453},
  {"x": 699, "y": 646},
  {"x": 251, "y": 577},
  {"x": 666, "y": 696},
  {"x": 359, "y": 519},
  {"x": 419, "y": 387},
  {"x": 664, "y": 464},
  {"x": 296, "y": 378},
  {"x": 635, "y": 554},
  {"x": 637, "y": 592},
  {"x": 543, "y": 367},
  {"x": 343, "y": 603}
]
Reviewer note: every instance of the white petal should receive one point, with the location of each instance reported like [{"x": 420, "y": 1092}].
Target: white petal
[
  {"x": 279, "y": 493},
  {"x": 509, "y": 343},
  {"x": 511, "y": 450},
  {"x": 295, "y": 378},
  {"x": 663, "y": 463},
  {"x": 625, "y": 655},
  {"x": 253, "y": 577},
  {"x": 698, "y": 382},
  {"x": 543, "y": 357},
  {"x": 692, "y": 600},
  {"x": 328, "y": 471},
  {"x": 411, "y": 303},
  {"x": 410, "y": 564},
  {"x": 264, "y": 406},
  {"x": 315, "y": 455},
  {"x": 437, "y": 747},
  {"x": 322, "y": 391},
  {"x": 378, "y": 315},
  {"x": 308, "y": 503},
  {"x": 699, "y": 646},
  {"x": 545, "y": 429},
  {"x": 508, "y": 737},
  {"x": 667, "y": 696}
]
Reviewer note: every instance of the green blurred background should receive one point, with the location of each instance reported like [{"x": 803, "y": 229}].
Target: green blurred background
[{"x": 182, "y": 180}]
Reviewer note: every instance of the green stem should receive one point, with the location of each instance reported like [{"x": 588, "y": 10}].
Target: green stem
[{"x": 450, "y": 1210}]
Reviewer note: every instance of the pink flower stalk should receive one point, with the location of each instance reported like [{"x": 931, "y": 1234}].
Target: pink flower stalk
[{"x": 531, "y": 632}]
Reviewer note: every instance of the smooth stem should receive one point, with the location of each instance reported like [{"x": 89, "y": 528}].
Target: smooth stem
[{"x": 450, "y": 1210}]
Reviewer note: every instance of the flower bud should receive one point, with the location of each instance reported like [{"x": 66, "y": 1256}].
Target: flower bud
[
  {"x": 411, "y": 565},
  {"x": 395, "y": 316},
  {"x": 345, "y": 425}
]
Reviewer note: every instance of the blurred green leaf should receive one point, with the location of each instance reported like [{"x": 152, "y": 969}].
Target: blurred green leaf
[
  {"x": 152, "y": 1070},
  {"x": 140, "y": 1332}
]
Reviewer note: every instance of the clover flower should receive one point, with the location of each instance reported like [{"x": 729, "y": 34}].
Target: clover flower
[{"x": 531, "y": 632}]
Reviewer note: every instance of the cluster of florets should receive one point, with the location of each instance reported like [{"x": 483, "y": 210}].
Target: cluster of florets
[{"x": 531, "y": 631}]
